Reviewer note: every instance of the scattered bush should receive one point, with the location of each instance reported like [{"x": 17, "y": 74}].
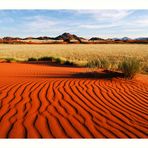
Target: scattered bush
[
  {"x": 32, "y": 59},
  {"x": 45, "y": 59},
  {"x": 53, "y": 60},
  {"x": 129, "y": 67},
  {"x": 68, "y": 63},
  {"x": 9, "y": 60},
  {"x": 58, "y": 60}
]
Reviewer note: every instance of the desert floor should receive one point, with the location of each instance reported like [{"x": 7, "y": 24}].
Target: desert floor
[{"x": 40, "y": 101}]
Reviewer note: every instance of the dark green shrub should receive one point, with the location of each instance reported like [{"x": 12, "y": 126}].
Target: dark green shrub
[
  {"x": 32, "y": 59},
  {"x": 45, "y": 59},
  {"x": 68, "y": 63},
  {"x": 58, "y": 60}
]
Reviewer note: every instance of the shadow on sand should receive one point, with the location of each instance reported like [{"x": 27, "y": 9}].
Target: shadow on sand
[
  {"x": 105, "y": 74},
  {"x": 81, "y": 75}
]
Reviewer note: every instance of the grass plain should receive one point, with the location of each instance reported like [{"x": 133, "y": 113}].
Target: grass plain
[
  {"x": 75, "y": 52},
  {"x": 78, "y": 53}
]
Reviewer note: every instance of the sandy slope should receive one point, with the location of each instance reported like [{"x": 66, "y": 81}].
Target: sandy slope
[{"x": 39, "y": 101}]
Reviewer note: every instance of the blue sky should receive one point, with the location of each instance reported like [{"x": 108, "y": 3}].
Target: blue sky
[{"x": 85, "y": 23}]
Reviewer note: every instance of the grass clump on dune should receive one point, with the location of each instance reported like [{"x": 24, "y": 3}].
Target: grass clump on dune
[
  {"x": 99, "y": 63},
  {"x": 105, "y": 63},
  {"x": 93, "y": 64},
  {"x": 130, "y": 67}
]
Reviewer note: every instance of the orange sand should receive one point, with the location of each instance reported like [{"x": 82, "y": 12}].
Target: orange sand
[{"x": 38, "y": 101}]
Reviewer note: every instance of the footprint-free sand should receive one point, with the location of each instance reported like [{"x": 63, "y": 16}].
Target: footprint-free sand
[{"x": 41, "y": 101}]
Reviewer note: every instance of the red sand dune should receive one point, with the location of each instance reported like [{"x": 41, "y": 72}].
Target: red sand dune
[{"x": 38, "y": 101}]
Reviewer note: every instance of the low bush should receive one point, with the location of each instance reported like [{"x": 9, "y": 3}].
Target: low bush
[
  {"x": 45, "y": 59},
  {"x": 32, "y": 59},
  {"x": 58, "y": 61},
  {"x": 68, "y": 63}
]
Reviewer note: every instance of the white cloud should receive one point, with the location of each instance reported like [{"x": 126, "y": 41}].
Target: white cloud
[
  {"x": 80, "y": 22},
  {"x": 106, "y": 14},
  {"x": 92, "y": 26},
  {"x": 39, "y": 22},
  {"x": 142, "y": 22}
]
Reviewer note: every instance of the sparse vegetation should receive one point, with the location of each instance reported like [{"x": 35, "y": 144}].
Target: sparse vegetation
[
  {"x": 52, "y": 60},
  {"x": 58, "y": 60},
  {"x": 94, "y": 64},
  {"x": 45, "y": 58},
  {"x": 68, "y": 62},
  {"x": 9, "y": 60},
  {"x": 108, "y": 54},
  {"x": 105, "y": 63},
  {"x": 32, "y": 59},
  {"x": 129, "y": 67}
]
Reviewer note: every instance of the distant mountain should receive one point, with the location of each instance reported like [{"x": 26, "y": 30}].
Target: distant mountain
[
  {"x": 29, "y": 38},
  {"x": 45, "y": 38},
  {"x": 71, "y": 38},
  {"x": 95, "y": 39},
  {"x": 115, "y": 39},
  {"x": 67, "y": 37},
  {"x": 142, "y": 39},
  {"x": 121, "y": 39},
  {"x": 125, "y": 39},
  {"x": 39, "y": 38},
  {"x": 11, "y": 38}
]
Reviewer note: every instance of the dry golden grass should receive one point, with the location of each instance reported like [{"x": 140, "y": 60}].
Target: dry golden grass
[{"x": 78, "y": 53}]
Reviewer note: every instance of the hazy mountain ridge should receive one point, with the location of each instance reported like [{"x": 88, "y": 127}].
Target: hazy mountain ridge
[{"x": 71, "y": 38}]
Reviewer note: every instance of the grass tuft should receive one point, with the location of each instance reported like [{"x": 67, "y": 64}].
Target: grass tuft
[
  {"x": 130, "y": 67},
  {"x": 99, "y": 63},
  {"x": 105, "y": 63},
  {"x": 94, "y": 64}
]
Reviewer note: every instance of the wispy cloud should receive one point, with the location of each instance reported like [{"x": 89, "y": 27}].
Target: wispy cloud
[
  {"x": 142, "y": 22},
  {"x": 39, "y": 22},
  {"x": 92, "y": 26},
  {"x": 81, "y": 22},
  {"x": 106, "y": 14}
]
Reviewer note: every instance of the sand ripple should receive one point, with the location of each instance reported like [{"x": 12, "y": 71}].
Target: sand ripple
[{"x": 71, "y": 107}]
